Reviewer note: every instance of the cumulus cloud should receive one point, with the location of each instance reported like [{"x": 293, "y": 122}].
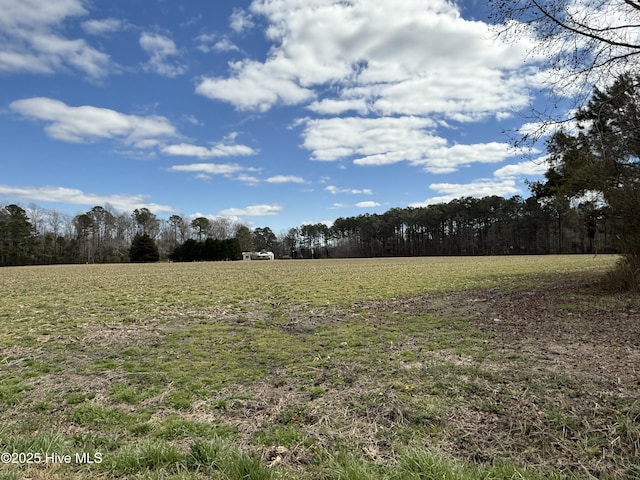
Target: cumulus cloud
[
  {"x": 329, "y": 106},
  {"x": 214, "y": 43},
  {"x": 368, "y": 204},
  {"x": 252, "y": 211},
  {"x": 219, "y": 150},
  {"x": 33, "y": 42},
  {"x": 478, "y": 189},
  {"x": 87, "y": 123},
  {"x": 389, "y": 140},
  {"x": 401, "y": 70},
  {"x": 379, "y": 140},
  {"x": 531, "y": 167},
  {"x": 333, "y": 190},
  {"x": 233, "y": 171},
  {"x": 240, "y": 21},
  {"x": 74, "y": 196},
  {"x": 285, "y": 179},
  {"x": 162, "y": 51},
  {"x": 403, "y": 58},
  {"x": 448, "y": 159},
  {"x": 102, "y": 27},
  {"x": 246, "y": 179},
  {"x": 209, "y": 168},
  {"x": 257, "y": 86}
]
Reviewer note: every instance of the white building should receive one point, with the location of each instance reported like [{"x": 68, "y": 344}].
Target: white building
[{"x": 258, "y": 256}]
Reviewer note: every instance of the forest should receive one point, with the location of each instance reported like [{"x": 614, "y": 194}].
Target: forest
[{"x": 466, "y": 226}]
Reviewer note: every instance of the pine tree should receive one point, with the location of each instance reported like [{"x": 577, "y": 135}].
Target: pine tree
[
  {"x": 604, "y": 157},
  {"x": 143, "y": 249}
]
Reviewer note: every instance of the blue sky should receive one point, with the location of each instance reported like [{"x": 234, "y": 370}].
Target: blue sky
[{"x": 270, "y": 112}]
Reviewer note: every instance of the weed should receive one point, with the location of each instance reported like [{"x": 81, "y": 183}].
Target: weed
[
  {"x": 149, "y": 456},
  {"x": 12, "y": 391},
  {"x": 179, "y": 399}
]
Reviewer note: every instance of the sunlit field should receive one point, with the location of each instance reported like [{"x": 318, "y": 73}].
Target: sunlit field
[{"x": 359, "y": 368}]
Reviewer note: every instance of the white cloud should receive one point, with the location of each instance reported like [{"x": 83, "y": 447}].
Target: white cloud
[
  {"x": 368, "y": 204},
  {"x": 377, "y": 140},
  {"x": 73, "y": 196},
  {"x": 212, "y": 42},
  {"x": 161, "y": 49},
  {"x": 333, "y": 190},
  {"x": 394, "y": 58},
  {"x": 256, "y": 86},
  {"x": 389, "y": 140},
  {"x": 102, "y": 27},
  {"x": 330, "y": 106},
  {"x": 32, "y": 40},
  {"x": 531, "y": 167},
  {"x": 232, "y": 171},
  {"x": 246, "y": 179},
  {"x": 219, "y": 150},
  {"x": 209, "y": 168},
  {"x": 449, "y": 159},
  {"x": 87, "y": 124},
  {"x": 225, "y": 45},
  {"x": 477, "y": 189},
  {"x": 402, "y": 69},
  {"x": 240, "y": 21},
  {"x": 285, "y": 179},
  {"x": 252, "y": 211}
]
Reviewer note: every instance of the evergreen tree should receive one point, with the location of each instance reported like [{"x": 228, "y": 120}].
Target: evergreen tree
[
  {"x": 143, "y": 249},
  {"x": 16, "y": 236},
  {"x": 604, "y": 157}
]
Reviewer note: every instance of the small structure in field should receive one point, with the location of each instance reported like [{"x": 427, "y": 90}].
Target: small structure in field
[{"x": 258, "y": 256}]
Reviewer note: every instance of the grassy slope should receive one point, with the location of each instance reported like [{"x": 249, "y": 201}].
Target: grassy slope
[{"x": 222, "y": 369}]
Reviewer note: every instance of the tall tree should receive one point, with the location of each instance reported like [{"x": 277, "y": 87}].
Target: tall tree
[
  {"x": 146, "y": 221},
  {"x": 201, "y": 225},
  {"x": 243, "y": 234},
  {"x": 264, "y": 239},
  {"x": 84, "y": 226},
  {"x": 604, "y": 157},
  {"x": 16, "y": 235}
]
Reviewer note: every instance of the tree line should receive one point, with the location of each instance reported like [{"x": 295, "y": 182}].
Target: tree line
[
  {"x": 35, "y": 236},
  {"x": 466, "y": 226}
]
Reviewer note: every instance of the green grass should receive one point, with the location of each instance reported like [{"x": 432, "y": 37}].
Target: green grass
[{"x": 203, "y": 370}]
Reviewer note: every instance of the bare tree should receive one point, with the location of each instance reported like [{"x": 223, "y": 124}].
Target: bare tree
[
  {"x": 222, "y": 228},
  {"x": 36, "y": 215},
  {"x": 55, "y": 220},
  {"x": 585, "y": 43}
]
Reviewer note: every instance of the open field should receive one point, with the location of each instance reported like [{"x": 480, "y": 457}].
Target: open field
[{"x": 448, "y": 368}]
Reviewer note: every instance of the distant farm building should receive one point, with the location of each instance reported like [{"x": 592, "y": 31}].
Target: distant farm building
[{"x": 258, "y": 256}]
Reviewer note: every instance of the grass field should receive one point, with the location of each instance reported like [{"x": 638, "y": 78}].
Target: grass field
[{"x": 448, "y": 368}]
